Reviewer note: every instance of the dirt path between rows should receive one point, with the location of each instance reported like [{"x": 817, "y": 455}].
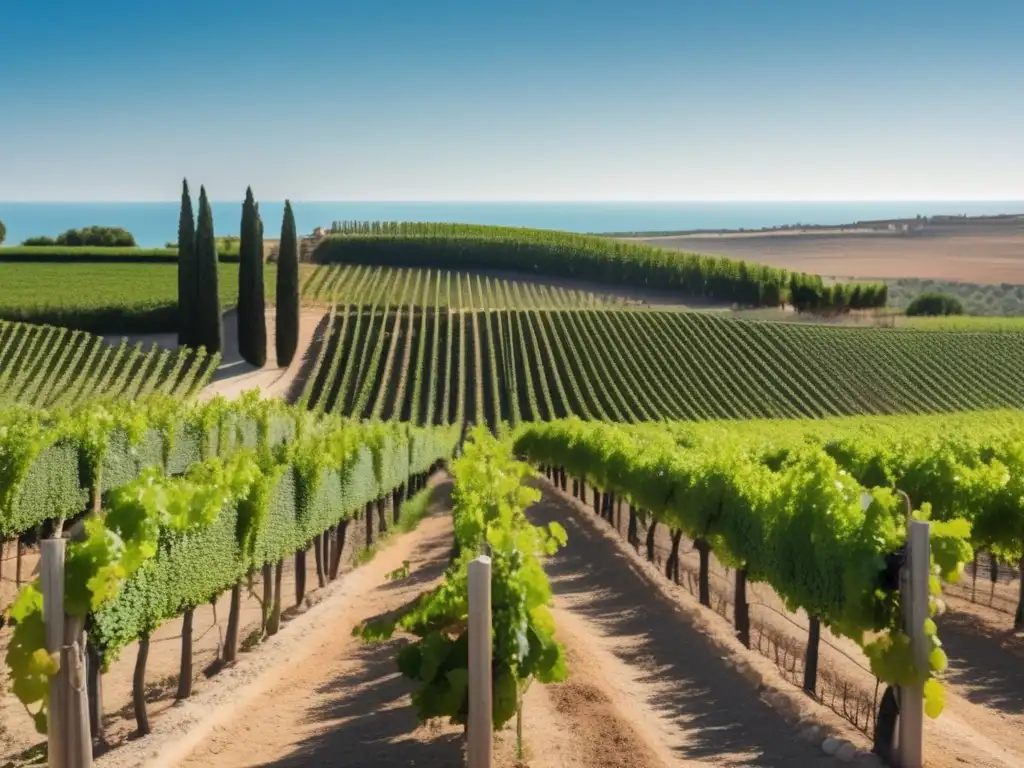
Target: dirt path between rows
[
  {"x": 984, "y": 716},
  {"x": 234, "y": 376},
  {"x": 658, "y": 683},
  {"x": 646, "y": 689},
  {"x": 315, "y": 692}
]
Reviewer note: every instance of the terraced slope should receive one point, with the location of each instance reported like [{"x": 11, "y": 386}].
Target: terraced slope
[
  {"x": 433, "y": 365},
  {"x": 45, "y": 367}
]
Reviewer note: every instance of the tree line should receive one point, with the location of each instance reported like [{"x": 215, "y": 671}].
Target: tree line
[
  {"x": 199, "y": 310},
  {"x": 100, "y": 237}
]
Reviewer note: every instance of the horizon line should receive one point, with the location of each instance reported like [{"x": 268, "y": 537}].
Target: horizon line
[{"x": 718, "y": 201}]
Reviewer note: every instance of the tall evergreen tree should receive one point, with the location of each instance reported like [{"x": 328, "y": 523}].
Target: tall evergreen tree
[
  {"x": 186, "y": 269},
  {"x": 245, "y": 243},
  {"x": 252, "y": 326},
  {"x": 209, "y": 329},
  {"x": 287, "y": 320},
  {"x": 259, "y": 298}
]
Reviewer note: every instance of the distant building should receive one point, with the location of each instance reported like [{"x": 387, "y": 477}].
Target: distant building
[{"x": 905, "y": 226}]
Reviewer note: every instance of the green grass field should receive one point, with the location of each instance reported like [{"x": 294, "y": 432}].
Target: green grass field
[
  {"x": 64, "y": 253},
  {"x": 104, "y": 298}
]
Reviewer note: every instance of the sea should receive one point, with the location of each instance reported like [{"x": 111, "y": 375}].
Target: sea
[{"x": 154, "y": 224}]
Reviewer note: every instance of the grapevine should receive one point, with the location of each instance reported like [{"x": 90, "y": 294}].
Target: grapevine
[
  {"x": 488, "y": 516},
  {"x": 788, "y": 514},
  {"x": 131, "y": 564}
]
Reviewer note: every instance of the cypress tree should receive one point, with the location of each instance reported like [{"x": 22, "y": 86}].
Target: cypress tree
[
  {"x": 252, "y": 328},
  {"x": 287, "y": 320},
  {"x": 259, "y": 306},
  {"x": 245, "y": 275},
  {"x": 209, "y": 330},
  {"x": 186, "y": 269},
  {"x": 251, "y": 321}
]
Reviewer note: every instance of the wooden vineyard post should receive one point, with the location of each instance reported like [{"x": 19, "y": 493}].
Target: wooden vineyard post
[
  {"x": 481, "y": 727},
  {"x": 78, "y": 744},
  {"x": 185, "y": 666},
  {"x": 914, "y": 604},
  {"x": 51, "y": 579}
]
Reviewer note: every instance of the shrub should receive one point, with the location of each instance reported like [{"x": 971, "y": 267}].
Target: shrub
[
  {"x": 935, "y": 303},
  {"x": 94, "y": 236},
  {"x": 3, "y": 232}
]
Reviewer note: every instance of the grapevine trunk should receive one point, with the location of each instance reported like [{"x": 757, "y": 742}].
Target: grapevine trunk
[
  {"x": 268, "y": 596},
  {"x": 185, "y": 673},
  {"x": 274, "y": 623},
  {"x": 704, "y": 579},
  {"x": 339, "y": 545},
  {"x": 139, "y": 687},
  {"x": 741, "y": 609},
  {"x": 651, "y": 532},
  {"x": 231, "y": 638},
  {"x": 300, "y": 576},
  {"x": 811, "y": 657},
  {"x": 318, "y": 555}
]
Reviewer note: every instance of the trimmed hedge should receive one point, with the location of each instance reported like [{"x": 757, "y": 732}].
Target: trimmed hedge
[
  {"x": 97, "y": 255},
  {"x": 152, "y": 317}
]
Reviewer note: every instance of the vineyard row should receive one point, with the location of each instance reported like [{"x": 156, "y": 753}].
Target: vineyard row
[
  {"x": 348, "y": 284},
  {"x": 199, "y": 498},
  {"x": 760, "y": 513},
  {"x": 435, "y": 366},
  {"x": 583, "y": 257},
  {"x": 50, "y": 367}
]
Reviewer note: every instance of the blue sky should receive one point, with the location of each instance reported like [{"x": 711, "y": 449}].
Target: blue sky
[{"x": 401, "y": 100}]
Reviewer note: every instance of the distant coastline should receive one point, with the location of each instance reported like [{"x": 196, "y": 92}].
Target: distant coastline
[
  {"x": 913, "y": 225},
  {"x": 154, "y": 224}
]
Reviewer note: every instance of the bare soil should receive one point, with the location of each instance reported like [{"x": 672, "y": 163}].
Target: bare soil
[
  {"x": 235, "y": 376},
  {"x": 976, "y": 255}
]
